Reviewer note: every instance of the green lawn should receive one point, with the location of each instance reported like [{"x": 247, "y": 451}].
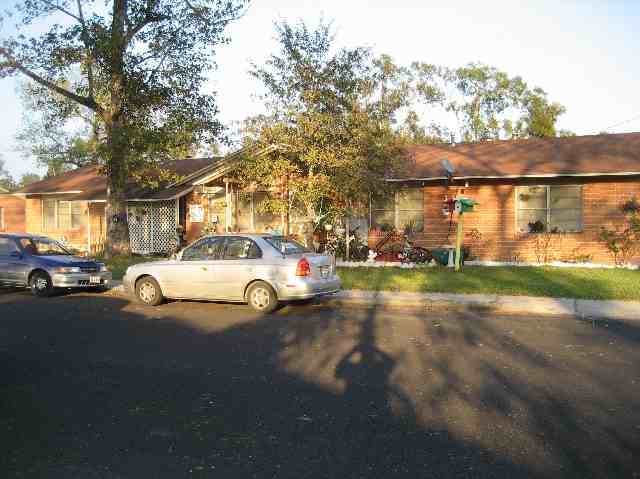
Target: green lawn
[
  {"x": 583, "y": 283},
  {"x": 580, "y": 283},
  {"x": 119, "y": 264}
]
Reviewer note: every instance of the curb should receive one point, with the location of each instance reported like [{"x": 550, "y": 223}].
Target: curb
[{"x": 488, "y": 303}]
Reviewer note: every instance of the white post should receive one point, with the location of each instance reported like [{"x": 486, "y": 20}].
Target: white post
[
  {"x": 88, "y": 228},
  {"x": 348, "y": 236}
]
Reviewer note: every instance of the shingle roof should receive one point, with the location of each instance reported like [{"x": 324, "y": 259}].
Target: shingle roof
[
  {"x": 86, "y": 183},
  {"x": 610, "y": 154}
]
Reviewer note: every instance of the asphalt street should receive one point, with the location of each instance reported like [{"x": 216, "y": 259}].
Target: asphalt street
[{"x": 93, "y": 386}]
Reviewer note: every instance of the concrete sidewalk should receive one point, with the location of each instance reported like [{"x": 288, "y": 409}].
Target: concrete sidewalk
[{"x": 526, "y": 305}]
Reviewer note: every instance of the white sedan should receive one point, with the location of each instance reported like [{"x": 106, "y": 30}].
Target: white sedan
[{"x": 261, "y": 270}]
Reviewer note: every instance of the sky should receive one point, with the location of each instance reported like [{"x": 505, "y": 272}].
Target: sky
[{"x": 583, "y": 53}]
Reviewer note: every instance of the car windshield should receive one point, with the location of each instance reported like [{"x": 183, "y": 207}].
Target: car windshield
[
  {"x": 286, "y": 245},
  {"x": 42, "y": 247}
]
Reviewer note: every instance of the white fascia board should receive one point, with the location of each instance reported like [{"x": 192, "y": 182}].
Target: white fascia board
[{"x": 499, "y": 177}]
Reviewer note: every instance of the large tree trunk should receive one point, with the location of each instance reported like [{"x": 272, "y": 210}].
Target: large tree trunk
[
  {"x": 117, "y": 241},
  {"x": 117, "y": 147}
]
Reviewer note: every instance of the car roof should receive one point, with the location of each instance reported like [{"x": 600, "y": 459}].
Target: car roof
[{"x": 20, "y": 235}]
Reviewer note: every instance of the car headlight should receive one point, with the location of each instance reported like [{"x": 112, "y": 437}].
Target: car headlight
[
  {"x": 67, "y": 269},
  {"x": 103, "y": 268}
]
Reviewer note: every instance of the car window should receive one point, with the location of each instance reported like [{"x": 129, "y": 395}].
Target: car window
[
  {"x": 290, "y": 246},
  {"x": 207, "y": 249},
  {"x": 7, "y": 246},
  {"x": 42, "y": 247},
  {"x": 241, "y": 248}
]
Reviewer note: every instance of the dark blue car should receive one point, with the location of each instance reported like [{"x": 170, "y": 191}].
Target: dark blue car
[{"x": 44, "y": 265}]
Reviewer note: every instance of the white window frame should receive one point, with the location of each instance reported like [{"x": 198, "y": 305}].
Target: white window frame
[{"x": 548, "y": 208}]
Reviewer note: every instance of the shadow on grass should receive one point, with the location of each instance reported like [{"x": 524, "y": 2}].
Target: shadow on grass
[{"x": 95, "y": 387}]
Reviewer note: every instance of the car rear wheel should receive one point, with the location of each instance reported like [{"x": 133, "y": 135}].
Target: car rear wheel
[
  {"x": 148, "y": 291},
  {"x": 262, "y": 298},
  {"x": 40, "y": 284}
]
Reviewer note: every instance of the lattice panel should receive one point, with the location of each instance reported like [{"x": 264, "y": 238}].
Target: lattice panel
[{"x": 152, "y": 227}]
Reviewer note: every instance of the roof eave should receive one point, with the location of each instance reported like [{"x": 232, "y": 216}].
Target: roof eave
[{"x": 514, "y": 177}]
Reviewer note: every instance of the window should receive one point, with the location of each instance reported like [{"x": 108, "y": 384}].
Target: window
[
  {"x": 402, "y": 210},
  {"x": 62, "y": 215},
  {"x": 7, "y": 246},
  {"x": 207, "y": 249},
  {"x": 241, "y": 248},
  {"x": 43, "y": 247},
  {"x": 289, "y": 246},
  {"x": 555, "y": 209}
]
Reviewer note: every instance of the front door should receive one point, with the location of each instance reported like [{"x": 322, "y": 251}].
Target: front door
[{"x": 195, "y": 275}]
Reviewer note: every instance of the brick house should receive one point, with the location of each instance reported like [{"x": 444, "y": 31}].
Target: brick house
[
  {"x": 570, "y": 187},
  {"x": 71, "y": 207},
  {"x": 12, "y": 212}
]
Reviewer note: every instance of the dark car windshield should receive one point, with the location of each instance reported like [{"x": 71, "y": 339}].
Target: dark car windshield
[
  {"x": 42, "y": 247},
  {"x": 290, "y": 246}
]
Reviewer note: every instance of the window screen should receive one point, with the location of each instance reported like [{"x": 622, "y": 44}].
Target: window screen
[
  {"x": 402, "y": 210},
  {"x": 555, "y": 209},
  {"x": 49, "y": 215}
]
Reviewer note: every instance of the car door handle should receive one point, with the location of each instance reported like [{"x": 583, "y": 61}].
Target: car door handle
[{"x": 204, "y": 268}]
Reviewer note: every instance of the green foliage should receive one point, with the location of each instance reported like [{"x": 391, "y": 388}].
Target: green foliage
[
  {"x": 487, "y": 104},
  {"x": 136, "y": 66},
  {"x": 623, "y": 242},
  {"x": 6, "y": 181},
  {"x": 331, "y": 114}
]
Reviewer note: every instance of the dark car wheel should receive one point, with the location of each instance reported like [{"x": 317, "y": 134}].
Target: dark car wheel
[
  {"x": 262, "y": 298},
  {"x": 40, "y": 284},
  {"x": 148, "y": 291}
]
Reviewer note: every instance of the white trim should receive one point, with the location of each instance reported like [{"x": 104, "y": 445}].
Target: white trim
[
  {"x": 497, "y": 177},
  {"x": 73, "y": 192}
]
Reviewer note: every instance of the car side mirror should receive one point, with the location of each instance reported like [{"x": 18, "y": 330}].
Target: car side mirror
[
  {"x": 16, "y": 254},
  {"x": 177, "y": 256}
]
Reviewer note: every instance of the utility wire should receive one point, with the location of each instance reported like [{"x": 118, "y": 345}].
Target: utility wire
[{"x": 621, "y": 123}]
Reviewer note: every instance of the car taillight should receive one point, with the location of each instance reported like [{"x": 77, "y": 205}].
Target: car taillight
[{"x": 303, "y": 268}]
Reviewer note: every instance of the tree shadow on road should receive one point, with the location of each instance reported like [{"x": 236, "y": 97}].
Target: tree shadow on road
[{"x": 96, "y": 387}]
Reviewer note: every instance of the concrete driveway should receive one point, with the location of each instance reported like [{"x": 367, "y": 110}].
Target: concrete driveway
[{"x": 95, "y": 386}]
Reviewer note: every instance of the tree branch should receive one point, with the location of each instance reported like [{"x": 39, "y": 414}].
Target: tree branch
[
  {"x": 85, "y": 40},
  {"x": 146, "y": 20},
  {"x": 82, "y": 100},
  {"x": 63, "y": 10}
]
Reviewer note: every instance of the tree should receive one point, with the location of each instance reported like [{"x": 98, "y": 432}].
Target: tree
[
  {"x": 331, "y": 115},
  {"x": 6, "y": 181},
  {"x": 138, "y": 69},
  {"x": 486, "y": 103},
  {"x": 28, "y": 178}
]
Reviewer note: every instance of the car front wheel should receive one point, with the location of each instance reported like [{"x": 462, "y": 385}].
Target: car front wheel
[
  {"x": 40, "y": 284},
  {"x": 262, "y": 298},
  {"x": 148, "y": 291}
]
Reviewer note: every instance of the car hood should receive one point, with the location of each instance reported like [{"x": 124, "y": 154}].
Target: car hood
[{"x": 66, "y": 260}]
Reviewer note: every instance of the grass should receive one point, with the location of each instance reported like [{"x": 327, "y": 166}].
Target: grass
[
  {"x": 582, "y": 283},
  {"x": 119, "y": 264}
]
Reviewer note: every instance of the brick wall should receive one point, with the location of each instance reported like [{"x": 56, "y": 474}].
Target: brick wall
[
  {"x": 13, "y": 213},
  {"x": 495, "y": 221}
]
